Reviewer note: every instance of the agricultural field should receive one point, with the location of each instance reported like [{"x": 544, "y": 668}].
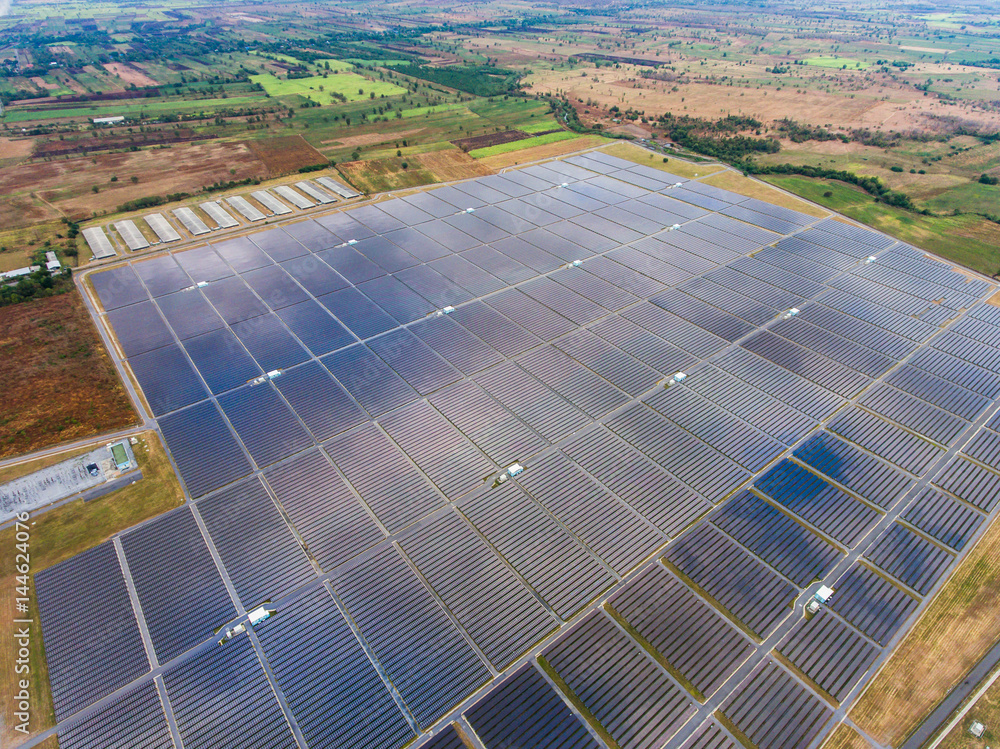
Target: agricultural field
[
  {"x": 327, "y": 89},
  {"x": 59, "y": 383}
]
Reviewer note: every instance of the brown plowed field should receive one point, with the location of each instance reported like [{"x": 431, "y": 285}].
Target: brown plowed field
[
  {"x": 58, "y": 381},
  {"x": 285, "y": 154}
]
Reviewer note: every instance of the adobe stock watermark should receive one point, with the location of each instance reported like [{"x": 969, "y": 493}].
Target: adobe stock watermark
[{"x": 22, "y": 625}]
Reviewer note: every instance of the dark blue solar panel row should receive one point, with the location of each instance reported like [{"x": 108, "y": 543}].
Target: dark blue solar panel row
[
  {"x": 264, "y": 423},
  {"x": 860, "y": 331},
  {"x": 88, "y": 656},
  {"x": 523, "y": 710},
  {"x": 829, "y": 652},
  {"x": 712, "y": 319},
  {"x": 773, "y": 709},
  {"x": 605, "y": 523},
  {"x": 941, "y": 393},
  {"x": 699, "y": 466},
  {"x": 949, "y": 521},
  {"x": 779, "y": 383},
  {"x": 971, "y": 483},
  {"x": 744, "y": 586},
  {"x": 834, "y": 512},
  {"x": 333, "y": 691},
  {"x": 629, "y": 694},
  {"x": 696, "y": 643},
  {"x": 985, "y": 448},
  {"x": 167, "y": 379},
  {"x": 882, "y": 317},
  {"x": 195, "y": 433},
  {"x": 850, "y": 467},
  {"x": 910, "y": 558},
  {"x": 118, "y": 287},
  {"x": 437, "y": 448},
  {"x": 424, "y": 655},
  {"x": 262, "y": 557},
  {"x": 871, "y": 603},
  {"x": 913, "y": 413},
  {"x": 243, "y": 708},
  {"x": 135, "y": 721},
  {"x": 319, "y": 400},
  {"x": 500, "y": 614},
  {"x": 183, "y": 598},
  {"x": 807, "y": 363},
  {"x": 832, "y": 346},
  {"x": 786, "y": 545},
  {"x": 573, "y": 381},
  {"x": 331, "y": 521},
  {"x": 955, "y": 370},
  {"x": 886, "y": 440},
  {"x": 760, "y": 410},
  {"x": 661, "y": 499},
  {"x": 396, "y": 492},
  {"x": 549, "y": 558}
]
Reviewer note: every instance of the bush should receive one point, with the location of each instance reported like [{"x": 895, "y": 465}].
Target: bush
[
  {"x": 896, "y": 168},
  {"x": 828, "y": 194},
  {"x": 986, "y": 179}
]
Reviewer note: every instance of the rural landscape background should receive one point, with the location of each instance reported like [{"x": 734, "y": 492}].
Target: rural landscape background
[{"x": 887, "y": 113}]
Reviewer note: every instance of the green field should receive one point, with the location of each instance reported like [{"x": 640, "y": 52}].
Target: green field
[
  {"x": 518, "y": 145},
  {"x": 321, "y": 89},
  {"x": 969, "y": 240},
  {"x": 151, "y": 107},
  {"x": 836, "y": 62}
]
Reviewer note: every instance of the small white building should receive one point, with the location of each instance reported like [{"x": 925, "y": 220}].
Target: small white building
[
  {"x": 977, "y": 729},
  {"x": 107, "y": 120},
  {"x": 51, "y": 261}
]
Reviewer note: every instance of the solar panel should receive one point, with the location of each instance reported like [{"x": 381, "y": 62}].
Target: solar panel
[
  {"x": 353, "y": 266},
  {"x": 275, "y": 287},
  {"x": 221, "y": 360},
  {"x": 319, "y": 400},
  {"x": 910, "y": 558},
  {"x": 829, "y": 652},
  {"x": 190, "y": 434},
  {"x": 135, "y": 719},
  {"x": 331, "y": 521},
  {"x": 118, "y": 287},
  {"x": 602, "y": 666},
  {"x": 242, "y": 254},
  {"x": 834, "y": 512},
  {"x": 551, "y": 560},
  {"x": 362, "y": 316},
  {"x": 269, "y": 342},
  {"x": 88, "y": 658},
  {"x": 424, "y": 655},
  {"x": 183, "y": 598},
  {"x": 234, "y": 300},
  {"x": 161, "y": 275},
  {"x": 500, "y": 614},
  {"x": 245, "y": 711},
  {"x": 523, "y": 710},
  {"x": 189, "y": 313},
  {"x": 369, "y": 380},
  {"x": 314, "y": 327},
  {"x": 414, "y": 361},
  {"x": 745, "y": 587},
  {"x": 167, "y": 379},
  {"x": 773, "y": 708},
  {"x": 943, "y": 518},
  {"x": 139, "y": 328},
  {"x": 607, "y": 525},
  {"x": 203, "y": 265},
  {"x": 868, "y": 601},
  {"x": 242, "y": 520},
  {"x": 383, "y": 477},
  {"x": 264, "y": 423},
  {"x": 332, "y": 688}
]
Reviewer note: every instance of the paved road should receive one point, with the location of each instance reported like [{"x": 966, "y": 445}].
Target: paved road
[{"x": 954, "y": 699}]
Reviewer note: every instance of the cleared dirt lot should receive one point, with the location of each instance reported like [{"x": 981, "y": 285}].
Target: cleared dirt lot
[{"x": 67, "y": 185}]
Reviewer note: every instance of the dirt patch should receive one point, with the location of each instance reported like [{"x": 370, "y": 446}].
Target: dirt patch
[
  {"x": 67, "y": 184},
  {"x": 380, "y": 175},
  {"x": 130, "y": 74},
  {"x": 730, "y": 180},
  {"x": 16, "y": 148},
  {"x": 640, "y": 155},
  {"x": 285, "y": 154},
  {"x": 845, "y": 737},
  {"x": 448, "y": 166},
  {"x": 20, "y": 211},
  {"x": 42, "y": 83},
  {"x": 951, "y": 636},
  {"x": 491, "y": 139},
  {"x": 369, "y": 139},
  {"x": 59, "y": 383},
  {"x": 994, "y": 300}
]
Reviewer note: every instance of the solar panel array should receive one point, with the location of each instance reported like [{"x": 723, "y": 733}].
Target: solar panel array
[{"x": 339, "y": 432}]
